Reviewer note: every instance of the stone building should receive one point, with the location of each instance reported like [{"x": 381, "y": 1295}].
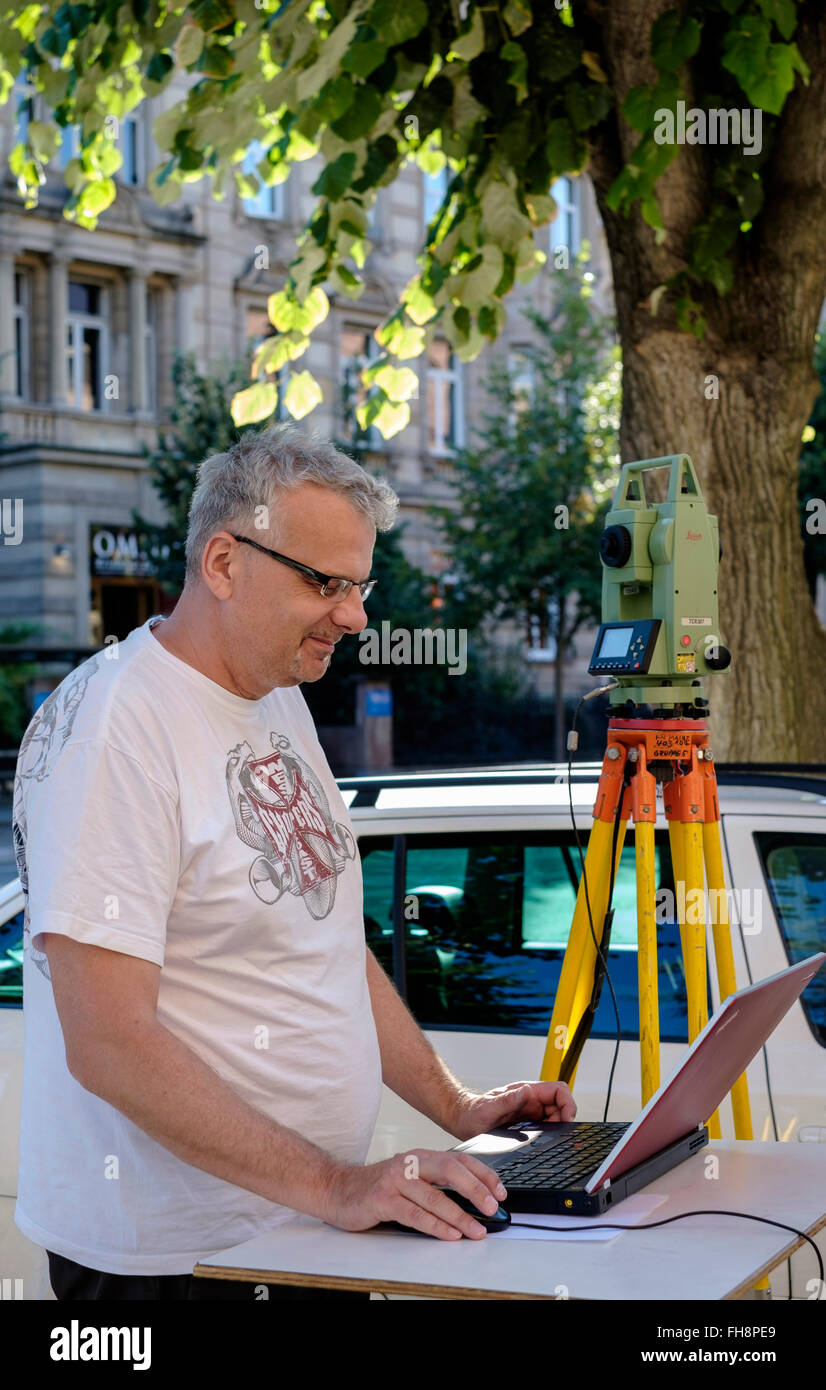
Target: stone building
[{"x": 89, "y": 323}]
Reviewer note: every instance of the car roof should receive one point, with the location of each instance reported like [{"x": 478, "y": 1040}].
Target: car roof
[{"x": 797, "y": 789}]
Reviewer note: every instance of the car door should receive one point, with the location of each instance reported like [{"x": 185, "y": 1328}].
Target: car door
[{"x": 777, "y": 872}]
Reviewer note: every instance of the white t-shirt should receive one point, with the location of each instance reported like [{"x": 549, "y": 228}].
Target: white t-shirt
[{"x": 158, "y": 814}]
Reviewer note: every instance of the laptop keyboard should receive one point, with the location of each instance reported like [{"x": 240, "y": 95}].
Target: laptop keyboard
[{"x": 566, "y": 1161}]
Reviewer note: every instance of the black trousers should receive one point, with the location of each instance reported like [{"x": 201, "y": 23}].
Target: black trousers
[{"x": 72, "y": 1282}]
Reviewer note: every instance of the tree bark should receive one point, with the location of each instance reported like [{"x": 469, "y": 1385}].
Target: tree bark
[{"x": 759, "y": 344}]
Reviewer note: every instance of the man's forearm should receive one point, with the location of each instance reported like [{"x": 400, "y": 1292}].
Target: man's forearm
[
  {"x": 168, "y": 1091},
  {"x": 409, "y": 1065}
]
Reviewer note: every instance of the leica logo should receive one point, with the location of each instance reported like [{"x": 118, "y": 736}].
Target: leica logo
[{"x": 694, "y": 535}]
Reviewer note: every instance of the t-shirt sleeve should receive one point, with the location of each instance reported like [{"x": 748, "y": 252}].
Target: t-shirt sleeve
[{"x": 102, "y": 851}]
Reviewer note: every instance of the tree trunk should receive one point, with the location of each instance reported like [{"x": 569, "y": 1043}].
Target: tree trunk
[{"x": 757, "y": 356}]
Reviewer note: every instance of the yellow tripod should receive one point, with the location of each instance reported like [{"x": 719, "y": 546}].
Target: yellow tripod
[{"x": 692, "y": 811}]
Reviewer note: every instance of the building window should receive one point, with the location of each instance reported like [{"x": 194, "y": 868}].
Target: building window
[
  {"x": 269, "y": 201},
  {"x": 132, "y": 147},
  {"x": 445, "y": 415},
  {"x": 521, "y": 373},
  {"x": 85, "y": 345},
  {"x": 22, "y": 317},
  {"x": 69, "y": 145},
  {"x": 258, "y": 329},
  {"x": 434, "y": 188},
  {"x": 357, "y": 347},
  {"x": 565, "y": 230}
]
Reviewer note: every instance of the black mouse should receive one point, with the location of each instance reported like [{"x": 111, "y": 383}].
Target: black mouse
[{"x": 497, "y": 1222}]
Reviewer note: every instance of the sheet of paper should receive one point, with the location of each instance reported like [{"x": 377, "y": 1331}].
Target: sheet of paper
[{"x": 631, "y": 1212}]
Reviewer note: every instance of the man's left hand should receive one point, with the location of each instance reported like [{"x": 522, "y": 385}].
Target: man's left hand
[{"x": 521, "y": 1100}]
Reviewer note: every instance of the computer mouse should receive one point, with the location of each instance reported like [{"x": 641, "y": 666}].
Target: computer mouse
[{"x": 496, "y": 1222}]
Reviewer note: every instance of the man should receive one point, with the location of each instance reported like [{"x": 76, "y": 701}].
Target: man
[{"x": 194, "y": 935}]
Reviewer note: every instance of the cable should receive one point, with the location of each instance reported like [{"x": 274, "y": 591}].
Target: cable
[
  {"x": 572, "y": 744},
  {"x": 666, "y": 1221}
]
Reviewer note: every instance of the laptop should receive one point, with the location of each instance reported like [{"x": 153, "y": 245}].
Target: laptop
[{"x": 581, "y": 1168}]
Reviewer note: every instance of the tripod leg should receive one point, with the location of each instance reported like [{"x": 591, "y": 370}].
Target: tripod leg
[
  {"x": 647, "y": 960},
  {"x": 724, "y": 958},
  {"x": 675, "y": 837},
  {"x": 576, "y": 980}
]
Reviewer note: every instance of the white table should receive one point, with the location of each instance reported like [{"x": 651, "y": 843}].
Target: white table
[{"x": 704, "y": 1257}]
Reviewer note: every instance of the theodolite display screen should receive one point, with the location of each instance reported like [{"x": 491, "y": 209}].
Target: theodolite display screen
[
  {"x": 624, "y": 649},
  {"x": 615, "y": 641}
]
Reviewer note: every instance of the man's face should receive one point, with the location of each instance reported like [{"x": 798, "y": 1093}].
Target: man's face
[{"x": 281, "y": 630}]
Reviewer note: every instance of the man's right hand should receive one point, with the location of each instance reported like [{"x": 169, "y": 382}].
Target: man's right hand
[{"x": 406, "y": 1188}]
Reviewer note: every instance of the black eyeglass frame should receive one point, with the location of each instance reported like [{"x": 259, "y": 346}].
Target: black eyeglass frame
[{"x": 364, "y": 586}]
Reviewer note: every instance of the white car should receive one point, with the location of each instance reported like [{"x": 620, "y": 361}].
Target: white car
[{"x": 470, "y": 880}]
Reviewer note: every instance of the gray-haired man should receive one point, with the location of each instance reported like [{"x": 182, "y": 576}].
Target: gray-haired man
[{"x": 194, "y": 933}]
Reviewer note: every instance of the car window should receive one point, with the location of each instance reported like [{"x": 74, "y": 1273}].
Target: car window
[
  {"x": 794, "y": 866},
  {"x": 11, "y": 961},
  {"x": 487, "y": 921}
]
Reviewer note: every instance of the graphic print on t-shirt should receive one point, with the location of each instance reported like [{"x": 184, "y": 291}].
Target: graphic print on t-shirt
[
  {"x": 281, "y": 809},
  {"x": 46, "y": 736}
]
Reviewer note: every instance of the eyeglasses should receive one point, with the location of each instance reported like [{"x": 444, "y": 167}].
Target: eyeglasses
[{"x": 330, "y": 587}]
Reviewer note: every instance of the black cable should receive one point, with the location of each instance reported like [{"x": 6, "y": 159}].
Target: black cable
[
  {"x": 587, "y": 898},
  {"x": 666, "y": 1221}
]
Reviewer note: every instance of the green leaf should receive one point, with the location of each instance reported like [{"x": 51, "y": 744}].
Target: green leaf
[
  {"x": 408, "y": 343},
  {"x": 541, "y": 208},
  {"x": 470, "y": 44},
  {"x": 334, "y": 98},
  {"x": 216, "y": 61},
  {"x": 303, "y": 394},
  {"x": 363, "y": 58},
  {"x": 159, "y": 68},
  {"x": 504, "y": 222},
  {"x": 335, "y": 179},
  {"x": 210, "y": 15},
  {"x": 255, "y": 403},
  {"x": 764, "y": 70},
  {"x": 312, "y": 79},
  {"x": 190, "y": 45},
  {"x": 418, "y": 303},
  {"x": 274, "y": 352},
  {"x": 642, "y": 103},
  {"x": 44, "y": 140},
  {"x": 96, "y": 197},
  {"x": 398, "y": 383},
  {"x": 517, "y": 15},
  {"x": 288, "y": 316},
  {"x": 473, "y": 287},
  {"x": 392, "y": 418},
  {"x": 397, "y": 23},
  {"x": 344, "y": 280},
  {"x": 783, "y": 12},
  {"x": 517, "y": 59},
  {"x": 674, "y": 40},
  {"x": 587, "y": 105},
  {"x": 563, "y": 148},
  {"x": 361, "y": 115}
]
